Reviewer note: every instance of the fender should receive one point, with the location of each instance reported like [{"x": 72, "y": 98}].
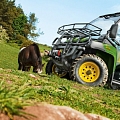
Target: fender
[{"x": 107, "y": 49}]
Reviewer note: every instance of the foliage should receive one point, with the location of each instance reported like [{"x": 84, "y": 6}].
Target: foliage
[
  {"x": 20, "y": 39},
  {"x": 16, "y": 23},
  {"x": 19, "y": 26},
  {"x": 3, "y": 34},
  {"x": 8, "y": 13},
  {"x": 26, "y": 43},
  {"x": 32, "y": 26}
]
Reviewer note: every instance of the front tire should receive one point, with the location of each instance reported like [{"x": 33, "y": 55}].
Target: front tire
[{"x": 90, "y": 70}]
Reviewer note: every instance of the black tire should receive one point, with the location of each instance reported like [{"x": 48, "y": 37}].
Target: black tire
[
  {"x": 52, "y": 69},
  {"x": 90, "y": 70},
  {"x": 49, "y": 67}
]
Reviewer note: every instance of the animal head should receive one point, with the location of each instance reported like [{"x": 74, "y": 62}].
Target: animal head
[{"x": 40, "y": 67}]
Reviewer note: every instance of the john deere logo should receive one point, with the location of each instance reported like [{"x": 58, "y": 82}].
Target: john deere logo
[{"x": 107, "y": 47}]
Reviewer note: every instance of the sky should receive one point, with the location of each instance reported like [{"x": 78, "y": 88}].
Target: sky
[{"x": 52, "y": 14}]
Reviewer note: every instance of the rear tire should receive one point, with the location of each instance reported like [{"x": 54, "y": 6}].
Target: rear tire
[
  {"x": 90, "y": 70},
  {"x": 51, "y": 68}
]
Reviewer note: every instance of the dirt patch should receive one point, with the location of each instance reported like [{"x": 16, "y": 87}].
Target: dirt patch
[{"x": 53, "y": 112}]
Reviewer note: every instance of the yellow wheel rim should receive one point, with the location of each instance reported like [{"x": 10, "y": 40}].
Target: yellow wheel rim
[
  {"x": 55, "y": 71},
  {"x": 89, "y": 72}
]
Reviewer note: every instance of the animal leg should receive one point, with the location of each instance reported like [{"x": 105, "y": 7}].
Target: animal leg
[
  {"x": 27, "y": 68},
  {"x": 35, "y": 69},
  {"x": 23, "y": 68},
  {"x": 20, "y": 67}
]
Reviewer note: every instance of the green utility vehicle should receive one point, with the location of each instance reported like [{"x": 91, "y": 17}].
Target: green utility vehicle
[{"x": 88, "y": 53}]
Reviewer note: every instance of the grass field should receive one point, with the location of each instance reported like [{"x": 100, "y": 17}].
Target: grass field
[{"x": 18, "y": 88}]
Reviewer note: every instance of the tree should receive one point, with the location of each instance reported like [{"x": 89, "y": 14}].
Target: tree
[
  {"x": 32, "y": 20},
  {"x": 19, "y": 27},
  {"x": 8, "y": 13}
]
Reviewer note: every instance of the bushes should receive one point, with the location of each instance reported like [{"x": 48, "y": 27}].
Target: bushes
[
  {"x": 26, "y": 43},
  {"x": 3, "y": 34},
  {"x": 22, "y": 41}
]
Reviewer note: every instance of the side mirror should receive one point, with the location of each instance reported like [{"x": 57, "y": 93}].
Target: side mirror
[{"x": 113, "y": 31}]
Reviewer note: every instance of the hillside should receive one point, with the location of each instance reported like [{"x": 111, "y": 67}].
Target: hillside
[
  {"x": 19, "y": 88},
  {"x": 9, "y": 55}
]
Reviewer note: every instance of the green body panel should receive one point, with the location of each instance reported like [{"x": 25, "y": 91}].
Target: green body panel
[
  {"x": 118, "y": 55},
  {"x": 108, "y": 53}
]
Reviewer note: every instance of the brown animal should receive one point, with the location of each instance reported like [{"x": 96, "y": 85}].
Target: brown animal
[{"x": 30, "y": 56}]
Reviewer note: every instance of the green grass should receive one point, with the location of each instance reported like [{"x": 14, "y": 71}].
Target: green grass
[
  {"x": 8, "y": 56},
  {"x": 18, "y": 89},
  {"x": 43, "y": 47}
]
